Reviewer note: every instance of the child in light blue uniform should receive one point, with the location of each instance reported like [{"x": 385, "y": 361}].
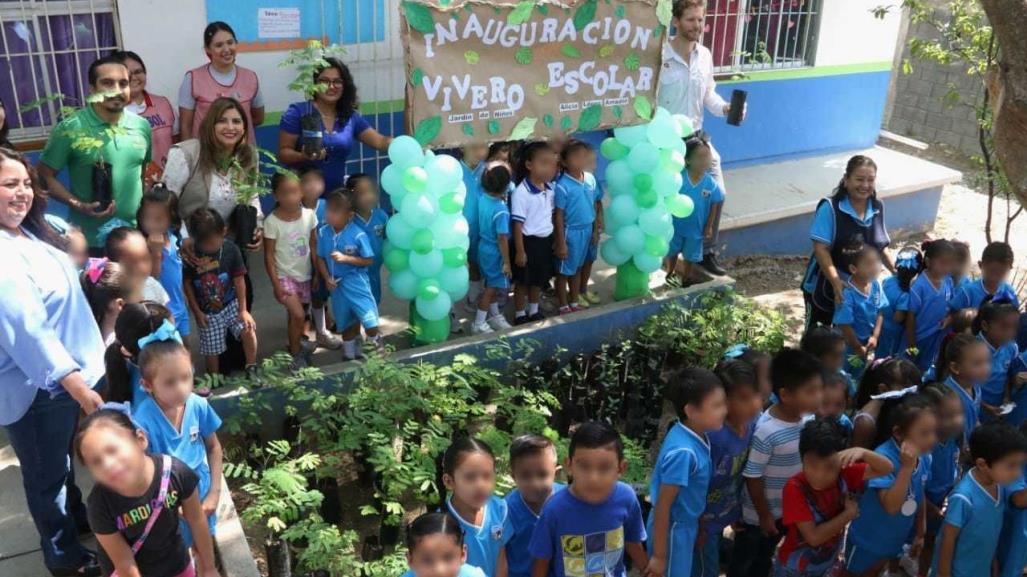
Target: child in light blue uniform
[
  {"x": 533, "y": 468},
  {"x": 371, "y": 220},
  {"x": 589, "y": 298},
  {"x": 729, "y": 448},
  {"x": 827, "y": 344},
  {"x": 944, "y": 460},
  {"x": 964, "y": 364},
  {"x": 878, "y": 534},
  {"x": 1018, "y": 390},
  {"x": 860, "y": 315},
  {"x": 486, "y": 542},
  {"x": 892, "y": 341},
  {"x": 929, "y": 296},
  {"x": 573, "y": 220},
  {"x": 493, "y": 248},
  {"x": 707, "y": 197},
  {"x": 681, "y": 476},
  {"x": 156, "y": 217},
  {"x": 312, "y": 183},
  {"x": 473, "y": 164},
  {"x": 996, "y": 324},
  {"x": 167, "y": 375},
  {"x": 996, "y": 263},
  {"x": 976, "y": 507},
  {"x": 433, "y": 537},
  {"x": 344, "y": 254},
  {"x": 1012, "y": 543}
]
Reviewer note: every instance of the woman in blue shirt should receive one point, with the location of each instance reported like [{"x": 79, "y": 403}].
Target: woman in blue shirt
[
  {"x": 51, "y": 358},
  {"x": 333, "y": 117},
  {"x": 852, "y": 211}
]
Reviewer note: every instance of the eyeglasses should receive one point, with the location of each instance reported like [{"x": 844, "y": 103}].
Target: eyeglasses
[{"x": 336, "y": 83}]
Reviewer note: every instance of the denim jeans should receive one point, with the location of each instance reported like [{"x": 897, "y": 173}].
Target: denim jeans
[{"x": 41, "y": 440}]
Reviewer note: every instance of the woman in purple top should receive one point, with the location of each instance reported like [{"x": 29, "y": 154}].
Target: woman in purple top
[{"x": 331, "y": 117}]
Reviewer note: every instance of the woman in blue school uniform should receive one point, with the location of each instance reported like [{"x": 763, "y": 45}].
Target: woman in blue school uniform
[{"x": 927, "y": 320}]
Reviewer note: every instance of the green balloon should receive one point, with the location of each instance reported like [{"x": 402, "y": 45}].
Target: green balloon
[
  {"x": 612, "y": 149},
  {"x": 397, "y": 260},
  {"x": 415, "y": 179},
  {"x": 618, "y": 177},
  {"x": 403, "y": 284},
  {"x": 428, "y": 289},
  {"x": 647, "y": 263},
  {"x": 423, "y": 241},
  {"x": 647, "y": 198},
  {"x": 435, "y": 308},
  {"x": 630, "y": 239},
  {"x": 428, "y": 332},
  {"x": 454, "y": 257},
  {"x": 631, "y": 282},
  {"x": 612, "y": 254},
  {"x": 427, "y": 265},
  {"x": 680, "y": 206},
  {"x": 656, "y": 246},
  {"x": 399, "y": 233},
  {"x": 392, "y": 180},
  {"x": 404, "y": 152},
  {"x": 643, "y": 158},
  {"x": 643, "y": 182},
  {"x": 672, "y": 160},
  {"x": 450, "y": 204}
]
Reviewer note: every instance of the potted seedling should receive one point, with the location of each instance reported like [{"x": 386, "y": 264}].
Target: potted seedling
[
  {"x": 308, "y": 61},
  {"x": 250, "y": 185}
]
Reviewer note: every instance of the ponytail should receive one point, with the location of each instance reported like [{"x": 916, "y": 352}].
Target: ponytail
[{"x": 137, "y": 320}]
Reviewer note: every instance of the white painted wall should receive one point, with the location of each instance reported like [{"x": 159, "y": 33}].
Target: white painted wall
[{"x": 850, "y": 34}]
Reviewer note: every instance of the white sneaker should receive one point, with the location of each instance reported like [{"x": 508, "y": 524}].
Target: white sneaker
[
  {"x": 481, "y": 328},
  {"x": 499, "y": 323},
  {"x": 909, "y": 565},
  {"x": 329, "y": 341},
  {"x": 455, "y": 327}
]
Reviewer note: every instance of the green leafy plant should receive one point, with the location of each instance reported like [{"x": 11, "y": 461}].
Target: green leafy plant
[
  {"x": 278, "y": 487},
  {"x": 307, "y": 61}
]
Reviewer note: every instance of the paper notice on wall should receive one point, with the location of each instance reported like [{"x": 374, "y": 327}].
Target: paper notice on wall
[
  {"x": 278, "y": 23},
  {"x": 507, "y": 70}
]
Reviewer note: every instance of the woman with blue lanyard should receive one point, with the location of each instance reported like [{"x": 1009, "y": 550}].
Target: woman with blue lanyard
[
  {"x": 51, "y": 358},
  {"x": 322, "y": 132},
  {"x": 853, "y": 211}
]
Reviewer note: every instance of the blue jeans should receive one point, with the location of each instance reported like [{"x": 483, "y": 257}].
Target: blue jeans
[
  {"x": 706, "y": 561},
  {"x": 41, "y": 440}
]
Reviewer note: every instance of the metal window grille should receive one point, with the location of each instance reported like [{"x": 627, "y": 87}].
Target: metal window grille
[
  {"x": 46, "y": 47},
  {"x": 754, "y": 35}
]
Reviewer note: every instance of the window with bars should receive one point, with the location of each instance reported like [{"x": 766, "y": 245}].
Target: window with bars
[
  {"x": 754, "y": 35},
  {"x": 46, "y": 47}
]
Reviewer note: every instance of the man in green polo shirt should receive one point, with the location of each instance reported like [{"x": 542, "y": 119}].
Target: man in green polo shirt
[{"x": 122, "y": 141}]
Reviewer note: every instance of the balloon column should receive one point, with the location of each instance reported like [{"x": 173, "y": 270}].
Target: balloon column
[
  {"x": 644, "y": 180},
  {"x": 427, "y": 239}
]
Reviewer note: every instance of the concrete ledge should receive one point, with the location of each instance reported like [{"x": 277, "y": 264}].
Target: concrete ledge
[{"x": 236, "y": 557}]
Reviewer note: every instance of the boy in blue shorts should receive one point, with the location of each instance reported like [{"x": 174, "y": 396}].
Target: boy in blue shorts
[
  {"x": 587, "y": 528},
  {"x": 473, "y": 164},
  {"x": 996, "y": 263},
  {"x": 493, "y": 248},
  {"x": 588, "y": 297},
  {"x": 363, "y": 194},
  {"x": 533, "y": 466},
  {"x": 344, "y": 254},
  {"x": 573, "y": 222},
  {"x": 975, "y": 509},
  {"x": 691, "y": 232}
]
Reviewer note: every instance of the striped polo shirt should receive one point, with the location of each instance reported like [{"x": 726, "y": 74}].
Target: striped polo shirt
[{"x": 774, "y": 457}]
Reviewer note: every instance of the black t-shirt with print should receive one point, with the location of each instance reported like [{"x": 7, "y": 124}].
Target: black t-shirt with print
[{"x": 163, "y": 554}]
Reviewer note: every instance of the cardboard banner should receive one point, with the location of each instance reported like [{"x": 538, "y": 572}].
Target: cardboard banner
[{"x": 486, "y": 71}]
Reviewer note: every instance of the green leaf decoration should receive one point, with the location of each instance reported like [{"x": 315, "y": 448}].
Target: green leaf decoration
[
  {"x": 416, "y": 76},
  {"x": 570, "y": 51},
  {"x": 586, "y": 13},
  {"x": 618, "y": 112},
  {"x": 468, "y": 129},
  {"x": 658, "y": 31},
  {"x": 566, "y": 123},
  {"x": 619, "y": 11},
  {"x": 524, "y": 128},
  {"x": 606, "y": 50},
  {"x": 428, "y": 129},
  {"x": 664, "y": 12},
  {"x": 643, "y": 108},
  {"x": 542, "y": 89},
  {"x": 524, "y": 55},
  {"x": 419, "y": 17},
  {"x": 521, "y": 13},
  {"x": 493, "y": 127},
  {"x": 542, "y": 9},
  {"x": 471, "y": 57},
  {"x": 632, "y": 61},
  {"x": 548, "y": 120},
  {"x": 590, "y": 118}
]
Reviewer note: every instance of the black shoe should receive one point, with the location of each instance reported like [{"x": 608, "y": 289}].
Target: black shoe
[
  {"x": 521, "y": 320},
  {"x": 88, "y": 569},
  {"x": 709, "y": 262},
  {"x": 537, "y": 317}
]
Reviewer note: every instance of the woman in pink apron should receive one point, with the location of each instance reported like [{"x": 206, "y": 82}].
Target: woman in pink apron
[
  {"x": 220, "y": 78},
  {"x": 154, "y": 108}
]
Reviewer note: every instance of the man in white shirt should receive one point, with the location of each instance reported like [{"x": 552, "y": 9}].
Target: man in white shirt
[{"x": 687, "y": 87}]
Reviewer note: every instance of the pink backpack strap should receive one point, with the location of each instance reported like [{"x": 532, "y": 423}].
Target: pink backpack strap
[{"x": 155, "y": 507}]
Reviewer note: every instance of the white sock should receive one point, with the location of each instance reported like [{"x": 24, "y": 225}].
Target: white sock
[
  {"x": 318, "y": 314},
  {"x": 494, "y": 310},
  {"x": 349, "y": 349},
  {"x": 532, "y": 309},
  {"x": 474, "y": 291},
  {"x": 521, "y": 313},
  {"x": 480, "y": 316},
  {"x": 564, "y": 309}
]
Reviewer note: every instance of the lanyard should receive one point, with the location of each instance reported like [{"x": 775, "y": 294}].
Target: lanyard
[{"x": 155, "y": 507}]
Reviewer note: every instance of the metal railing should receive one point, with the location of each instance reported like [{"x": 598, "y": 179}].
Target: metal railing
[{"x": 753, "y": 35}]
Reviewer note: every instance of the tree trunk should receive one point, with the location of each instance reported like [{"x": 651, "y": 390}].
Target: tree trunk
[{"x": 1008, "y": 89}]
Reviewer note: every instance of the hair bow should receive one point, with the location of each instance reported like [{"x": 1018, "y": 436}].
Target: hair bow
[
  {"x": 94, "y": 269},
  {"x": 123, "y": 408},
  {"x": 108, "y": 227},
  {"x": 894, "y": 394},
  {"x": 165, "y": 332},
  {"x": 736, "y": 351},
  {"x": 908, "y": 258},
  {"x": 1004, "y": 295}
]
